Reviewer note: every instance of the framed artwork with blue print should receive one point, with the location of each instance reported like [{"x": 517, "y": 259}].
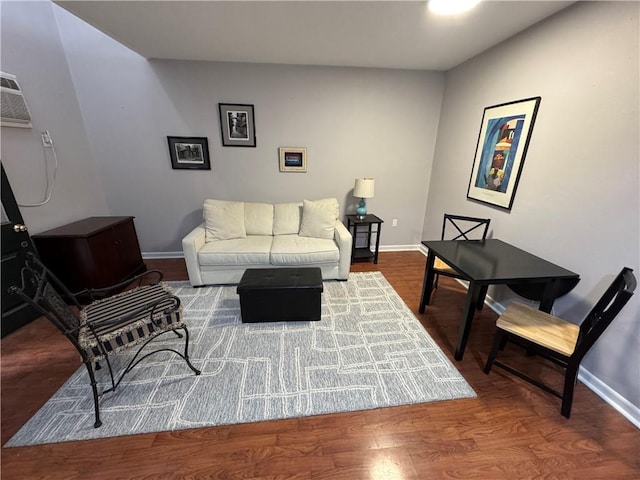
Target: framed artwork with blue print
[{"x": 505, "y": 132}]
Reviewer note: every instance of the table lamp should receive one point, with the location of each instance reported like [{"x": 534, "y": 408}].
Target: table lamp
[{"x": 363, "y": 189}]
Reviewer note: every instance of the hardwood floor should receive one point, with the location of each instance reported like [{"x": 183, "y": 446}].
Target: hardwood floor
[{"x": 512, "y": 430}]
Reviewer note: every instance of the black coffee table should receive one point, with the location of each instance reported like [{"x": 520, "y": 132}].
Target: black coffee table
[
  {"x": 491, "y": 262},
  {"x": 280, "y": 294}
]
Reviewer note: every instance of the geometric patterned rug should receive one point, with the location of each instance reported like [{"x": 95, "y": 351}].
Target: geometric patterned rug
[{"x": 368, "y": 351}]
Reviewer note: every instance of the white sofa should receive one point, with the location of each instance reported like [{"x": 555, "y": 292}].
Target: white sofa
[{"x": 235, "y": 236}]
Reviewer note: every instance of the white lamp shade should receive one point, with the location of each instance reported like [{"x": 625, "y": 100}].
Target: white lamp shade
[{"x": 364, "y": 188}]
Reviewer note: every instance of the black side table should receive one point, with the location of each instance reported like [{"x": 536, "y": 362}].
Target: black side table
[{"x": 367, "y": 222}]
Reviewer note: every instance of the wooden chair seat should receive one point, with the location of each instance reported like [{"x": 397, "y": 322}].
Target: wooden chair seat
[
  {"x": 442, "y": 267},
  {"x": 540, "y": 327},
  {"x": 557, "y": 340}
]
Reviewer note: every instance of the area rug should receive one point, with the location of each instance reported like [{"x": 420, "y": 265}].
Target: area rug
[{"x": 368, "y": 351}]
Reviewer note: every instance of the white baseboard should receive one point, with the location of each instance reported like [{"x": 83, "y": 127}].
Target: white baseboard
[
  {"x": 399, "y": 248},
  {"x": 492, "y": 304},
  {"x": 613, "y": 398},
  {"x": 623, "y": 406},
  {"x": 158, "y": 255}
]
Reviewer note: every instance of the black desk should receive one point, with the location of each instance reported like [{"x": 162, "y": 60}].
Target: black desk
[{"x": 490, "y": 262}]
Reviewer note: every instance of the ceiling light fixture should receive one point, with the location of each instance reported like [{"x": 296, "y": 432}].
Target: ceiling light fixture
[{"x": 451, "y": 7}]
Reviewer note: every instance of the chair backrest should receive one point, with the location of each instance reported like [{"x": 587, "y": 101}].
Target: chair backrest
[
  {"x": 607, "y": 308},
  {"x": 40, "y": 288},
  {"x": 459, "y": 227}
]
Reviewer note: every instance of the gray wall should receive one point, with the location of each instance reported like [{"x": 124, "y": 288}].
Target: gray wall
[
  {"x": 577, "y": 203},
  {"x": 32, "y": 50},
  {"x": 109, "y": 112},
  {"x": 354, "y": 122}
]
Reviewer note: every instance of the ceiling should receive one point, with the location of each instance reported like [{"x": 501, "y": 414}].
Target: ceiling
[{"x": 383, "y": 34}]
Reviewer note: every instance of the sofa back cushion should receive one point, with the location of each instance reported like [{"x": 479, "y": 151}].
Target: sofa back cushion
[
  {"x": 319, "y": 218},
  {"x": 258, "y": 218},
  {"x": 223, "y": 220},
  {"x": 286, "y": 218}
]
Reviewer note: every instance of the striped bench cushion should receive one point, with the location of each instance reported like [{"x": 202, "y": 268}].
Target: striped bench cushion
[{"x": 115, "y": 334}]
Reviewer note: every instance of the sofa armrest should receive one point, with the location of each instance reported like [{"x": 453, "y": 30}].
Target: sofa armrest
[
  {"x": 343, "y": 239},
  {"x": 191, "y": 245}
]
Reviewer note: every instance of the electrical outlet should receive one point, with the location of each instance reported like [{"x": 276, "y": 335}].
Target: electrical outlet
[
  {"x": 46, "y": 139},
  {"x": 394, "y": 222}
]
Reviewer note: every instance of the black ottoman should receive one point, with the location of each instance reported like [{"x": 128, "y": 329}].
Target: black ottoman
[{"x": 280, "y": 294}]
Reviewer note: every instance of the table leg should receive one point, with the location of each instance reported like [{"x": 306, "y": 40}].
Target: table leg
[
  {"x": 482, "y": 296},
  {"x": 375, "y": 258},
  {"x": 353, "y": 240},
  {"x": 549, "y": 295},
  {"x": 470, "y": 303},
  {"x": 427, "y": 284}
]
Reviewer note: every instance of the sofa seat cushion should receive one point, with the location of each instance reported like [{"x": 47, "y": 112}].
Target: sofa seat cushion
[
  {"x": 251, "y": 250},
  {"x": 297, "y": 250}
]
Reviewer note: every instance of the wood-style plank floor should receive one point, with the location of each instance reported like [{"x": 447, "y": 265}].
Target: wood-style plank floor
[{"x": 511, "y": 430}]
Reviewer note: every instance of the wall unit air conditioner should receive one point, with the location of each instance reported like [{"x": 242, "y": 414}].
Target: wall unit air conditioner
[{"x": 15, "y": 112}]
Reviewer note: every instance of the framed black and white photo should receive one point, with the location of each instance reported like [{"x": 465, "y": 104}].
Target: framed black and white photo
[
  {"x": 293, "y": 159},
  {"x": 237, "y": 125},
  {"x": 189, "y": 153}
]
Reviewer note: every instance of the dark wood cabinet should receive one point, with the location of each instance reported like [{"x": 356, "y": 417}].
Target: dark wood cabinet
[{"x": 95, "y": 252}]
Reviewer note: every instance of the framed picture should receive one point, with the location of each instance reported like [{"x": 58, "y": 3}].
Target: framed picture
[
  {"x": 293, "y": 159},
  {"x": 237, "y": 125},
  {"x": 189, "y": 153},
  {"x": 504, "y": 137}
]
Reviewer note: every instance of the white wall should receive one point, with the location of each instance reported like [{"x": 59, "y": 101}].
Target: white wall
[
  {"x": 577, "y": 203},
  {"x": 354, "y": 122},
  {"x": 32, "y": 50}
]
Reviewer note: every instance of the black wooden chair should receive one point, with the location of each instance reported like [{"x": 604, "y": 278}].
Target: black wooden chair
[
  {"x": 459, "y": 227},
  {"x": 561, "y": 342},
  {"x": 110, "y": 325}
]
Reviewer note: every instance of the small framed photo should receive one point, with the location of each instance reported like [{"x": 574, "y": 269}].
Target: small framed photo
[
  {"x": 293, "y": 159},
  {"x": 189, "y": 153},
  {"x": 237, "y": 125}
]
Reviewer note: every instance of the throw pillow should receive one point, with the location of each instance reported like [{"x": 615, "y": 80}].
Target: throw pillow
[
  {"x": 258, "y": 218},
  {"x": 286, "y": 218},
  {"x": 319, "y": 218},
  {"x": 223, "y": 220}
]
